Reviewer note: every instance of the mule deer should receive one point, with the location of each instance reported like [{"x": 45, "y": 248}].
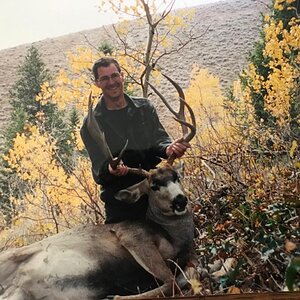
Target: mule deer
[{"x": 93, "y": 261}]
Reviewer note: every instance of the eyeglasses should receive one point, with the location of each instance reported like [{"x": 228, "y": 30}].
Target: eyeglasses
[{"x": 113, "y": 77}]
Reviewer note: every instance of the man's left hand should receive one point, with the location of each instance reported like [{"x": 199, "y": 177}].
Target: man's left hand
[{"x": 178, "y": 147}]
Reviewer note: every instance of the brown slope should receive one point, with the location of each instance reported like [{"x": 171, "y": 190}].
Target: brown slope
[{"x": 230, "y": 27}]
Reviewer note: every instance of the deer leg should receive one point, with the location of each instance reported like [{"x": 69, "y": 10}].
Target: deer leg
[
  {"x": 147, "y": 255},
  {"x": 163, "y": 290}
]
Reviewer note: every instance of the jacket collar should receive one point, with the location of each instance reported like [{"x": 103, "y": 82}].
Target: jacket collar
[{"x": 133, "y": 106}]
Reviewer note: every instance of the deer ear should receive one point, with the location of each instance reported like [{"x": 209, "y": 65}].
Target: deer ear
[
  {"x": 128, "y": 196},
  {"x": 133, "y": 193}
]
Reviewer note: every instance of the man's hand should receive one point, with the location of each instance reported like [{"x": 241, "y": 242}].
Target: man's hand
[
  {"x": 178, "y": 147},
  {"x": 121, "y": 170}
]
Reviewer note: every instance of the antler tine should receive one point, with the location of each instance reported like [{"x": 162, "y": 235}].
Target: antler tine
[
  {"x": 189, "y": 135},
  {"x": 164, "y": 100},
  {"x": 180, "y": 116},
  {"x": 176, "y": 85},
  {"x": 98, "y": 135},
  {"x": 95, "y": 131}
]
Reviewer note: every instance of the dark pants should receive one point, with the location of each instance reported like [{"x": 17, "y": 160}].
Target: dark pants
[{"x": 118, "y": 211}]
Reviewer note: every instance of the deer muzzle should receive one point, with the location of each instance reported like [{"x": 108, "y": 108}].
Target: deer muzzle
[{"x": 179, "y": 204}]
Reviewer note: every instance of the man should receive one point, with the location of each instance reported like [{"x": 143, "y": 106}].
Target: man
[{"x": 125, "y": 118}]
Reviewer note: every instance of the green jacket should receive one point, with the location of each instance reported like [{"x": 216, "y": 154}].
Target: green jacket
[{"x": 147, "y": 141}]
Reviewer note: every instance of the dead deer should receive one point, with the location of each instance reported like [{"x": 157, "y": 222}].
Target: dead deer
[{"x": 94, "y": 261}]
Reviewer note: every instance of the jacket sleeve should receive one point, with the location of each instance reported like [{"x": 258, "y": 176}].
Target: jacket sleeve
[
  {"x": 99, "y": 162},
  {"x": 160, "y": 139}
]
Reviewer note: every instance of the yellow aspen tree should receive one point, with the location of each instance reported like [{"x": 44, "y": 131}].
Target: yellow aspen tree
[
  {"x": 53, "y": 199},
  {"x": 266, "y": 107},
  {"x": 162, "y": 26},
  {"x": 274, "y": 77}
]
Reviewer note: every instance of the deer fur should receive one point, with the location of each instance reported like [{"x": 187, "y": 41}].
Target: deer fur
[{"x": 94, "y": 261}]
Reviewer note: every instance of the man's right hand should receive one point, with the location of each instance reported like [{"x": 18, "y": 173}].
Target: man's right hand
[
  {"x": 178, "y": 147},
  {"x": 121, "y": 170}
]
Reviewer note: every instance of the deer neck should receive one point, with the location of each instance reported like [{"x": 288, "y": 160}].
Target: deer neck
[{"x": 179, "y": 228}]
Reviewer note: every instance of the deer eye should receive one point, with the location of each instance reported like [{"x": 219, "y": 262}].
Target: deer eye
[
  {"x": 154, "y": 187},
  {"x": 176, "y": 177}
]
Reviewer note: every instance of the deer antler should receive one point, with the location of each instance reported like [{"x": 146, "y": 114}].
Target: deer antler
[
  {"x": 180, "y": 115},
  {"x": 98, "y": 135}
]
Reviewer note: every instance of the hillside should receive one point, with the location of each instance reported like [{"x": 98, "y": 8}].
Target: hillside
[{"x": 229, "y": 29}]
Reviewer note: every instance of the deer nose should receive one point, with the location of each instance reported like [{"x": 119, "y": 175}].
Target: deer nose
[{"x": 179, "y": 203}]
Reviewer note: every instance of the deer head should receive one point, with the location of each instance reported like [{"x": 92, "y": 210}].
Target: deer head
[{"x": 164, "y": 191}]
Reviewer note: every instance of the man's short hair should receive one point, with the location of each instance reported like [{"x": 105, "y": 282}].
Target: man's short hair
[{"x": 104, "y": 62}]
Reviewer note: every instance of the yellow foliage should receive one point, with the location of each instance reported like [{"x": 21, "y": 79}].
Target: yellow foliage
[
  {"x": 280, "y": 4},
  {"x": 205, "y": 97},
  {"x": 24, "y": 147},
  {"x": 45, "y": 94},
  {"x": 174, "y": 23},
  {"x": 293, "y": 149},
  {"x": 82, "y": 59},
  {"x": 284, "y": 73},
  {"x": 73, "y": 89},
  {"x": 55, "y": 199},
  {"x": 122, "y": 28},
  {"x": 256, "y": 79}
]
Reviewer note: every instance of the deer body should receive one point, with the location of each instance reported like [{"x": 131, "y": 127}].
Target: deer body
[{"x": 93, "y": 261}]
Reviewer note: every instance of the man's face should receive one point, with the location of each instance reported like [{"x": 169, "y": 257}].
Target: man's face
[{"x": 111, "y": 82}]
